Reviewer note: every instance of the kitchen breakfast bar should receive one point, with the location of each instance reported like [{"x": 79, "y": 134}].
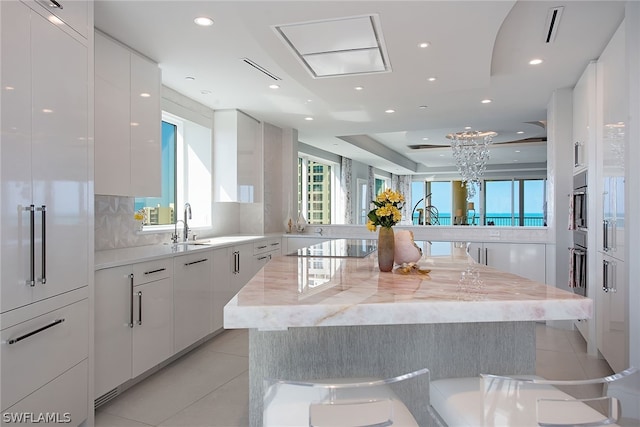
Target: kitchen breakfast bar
[{"x": 328, "y": 312}]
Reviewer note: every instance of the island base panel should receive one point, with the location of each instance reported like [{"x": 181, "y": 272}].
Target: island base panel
[{"x": 448, "y": 350}]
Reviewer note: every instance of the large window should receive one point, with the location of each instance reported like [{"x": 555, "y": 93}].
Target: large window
[
  {"x": 515, "y": 202},
  {"x": 315, "y": 190},
  {"x": 431, "y": 202},
  {"x": 186, "y": 176}
]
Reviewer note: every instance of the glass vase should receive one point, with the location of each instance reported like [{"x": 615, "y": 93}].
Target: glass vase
[{"x": 386, "y": 248}]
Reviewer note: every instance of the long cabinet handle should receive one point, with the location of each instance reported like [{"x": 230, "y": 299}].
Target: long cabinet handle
[
  {"x": 605, "y": 275},
  {"x": 478, "y": 255},
  {"x": 37, "y": 331},
  {"x": 139, "y": 307},
  {"x": 43, "y": 210},
  {"x": 236, "y": 262},
  {"x": 264, "y": 257},
  {"x": 154, "y": 271},
  {"x": 196, "y": 262},
  {"x": 31, "y": 281},
  {"x": 486, "y": 256},
  {"x": 131, "y": 301},
  {"x": 275, "y": 244},
  {"x": 52, "y": 4},
  {"x": 261, "y": 247},
  {"x": 605, "y": 235}
]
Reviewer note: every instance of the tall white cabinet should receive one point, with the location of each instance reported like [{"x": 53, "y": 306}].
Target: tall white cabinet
[
  {"x": 613, "y": 285},
  {"x": 46, "y": 202}
]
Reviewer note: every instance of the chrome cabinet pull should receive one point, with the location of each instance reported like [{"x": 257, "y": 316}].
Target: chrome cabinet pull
[
  {"x": 154, "y": 271},
  {"x": 37, "y": 331},
  {"x": 195, "y": 262},
  {"x": 131, "y": 301},
  {"x": 275, "y": 244},
  {"x": 43, "y": 210},
  {"x": 32, "y": 242},
  {"x": 262, "y": 247},
  {"x": 139, "y": 307},
  {"x": 262, "y": 257},
  {"x": 54, "y": 4},
  {"x": 236, "y": 262},
  {"x": 478, "y": 255},
  {"x": 605, "y": 235},
  {"x": 486, "y": 256},
  {"x": 605, "y": 275}
]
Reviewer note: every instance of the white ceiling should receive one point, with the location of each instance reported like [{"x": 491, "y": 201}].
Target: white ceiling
[{"x": 478, "y": 50}]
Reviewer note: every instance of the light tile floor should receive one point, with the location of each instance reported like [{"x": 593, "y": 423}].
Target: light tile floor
[{"x": 208, "y": 387}]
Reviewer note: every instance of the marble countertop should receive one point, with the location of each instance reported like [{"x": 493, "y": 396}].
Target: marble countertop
[
  {"x": 307, "y": 291},
  {"x": 116, "y": 257}
]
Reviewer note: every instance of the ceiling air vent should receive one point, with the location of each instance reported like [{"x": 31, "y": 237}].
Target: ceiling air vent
[
  {"x": 553, "y": 21},
  {"x": 260, "y": 68},
  {"x": 424, "y": 146}
]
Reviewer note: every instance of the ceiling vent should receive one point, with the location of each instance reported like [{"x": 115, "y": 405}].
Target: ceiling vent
[
  {"x": 424, "y": 146},
  {"x": 553, "y": 21},
  {"x": 260, "y": 68}
]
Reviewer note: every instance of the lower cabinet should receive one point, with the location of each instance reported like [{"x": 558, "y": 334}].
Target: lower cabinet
[
  {"x": 524, "y": 259},
  {"x": 44, "y": 355},
  {"x": 612, "y": 313},
  {"x": 133, "y": 321},
  {"x": 192, "y": 291}
]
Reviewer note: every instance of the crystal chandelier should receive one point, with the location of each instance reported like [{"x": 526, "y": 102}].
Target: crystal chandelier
[{"x": 471, "y": 151}]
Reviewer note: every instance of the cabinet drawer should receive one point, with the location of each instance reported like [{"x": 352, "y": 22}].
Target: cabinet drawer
[
  {"x": 64, "y": 398},
  {"x": 38, "y": 350},
  {"x": 150, "y": 271},
  {"x": 266, "y": 246}
]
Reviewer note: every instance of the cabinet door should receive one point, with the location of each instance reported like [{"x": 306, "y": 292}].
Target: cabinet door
[
  {"x": 192, "y": 291},
  {"x": 60, "y": 171},
  {"x": 112, "y": 112},
  {"x": 476, "y": 251},
  {"x": 72, "y": 12},
  {"x": 612, "y": 337},
  {"x": 146, "y": 120},
  {"x": 246, "y": 267},
  {"x": 113, "y": 326},
  {"x": 524, "y": 259},
  {"x": 223, "y": 290},
  {"x": 584, "y": 95},
  {"x": 249, "y": 160},
  {"x": 15, "y": 155},
  {"x": 153, "y": 324}
]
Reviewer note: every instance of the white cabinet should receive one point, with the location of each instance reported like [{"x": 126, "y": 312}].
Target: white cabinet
[
  {"x": 524, "y": 259},
  {"x": 128, "y": 121},
  {"x": 75, "y": 14},
  {"x": 584, "y": 117},
  {"x": 44, "y": 151},
  {"x": 237, "y": 157},
  {"x": 612, "y": 290},
  {"x": 233, "y": 267},
  {"x": 192, "y": 293},
  {"x": 133, "y": 321},
  {"x": 263, "y": 251}
]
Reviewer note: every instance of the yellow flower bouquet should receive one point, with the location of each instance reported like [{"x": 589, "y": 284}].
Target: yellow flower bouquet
[{"x": 386, "y": 212}]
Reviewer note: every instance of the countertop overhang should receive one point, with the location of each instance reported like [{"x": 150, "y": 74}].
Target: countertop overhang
[{"x": 322, "y": 291}]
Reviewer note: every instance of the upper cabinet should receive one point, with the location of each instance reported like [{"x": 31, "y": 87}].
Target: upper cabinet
[
  {"x": 584, "y": 117},
  {"x": 74, "y": 13},
  {"x": 238, "y": 157},
  {"x": 127, "y": 121}
]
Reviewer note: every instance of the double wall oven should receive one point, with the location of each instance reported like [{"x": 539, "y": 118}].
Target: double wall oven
[{"x": 578, "y": 252}]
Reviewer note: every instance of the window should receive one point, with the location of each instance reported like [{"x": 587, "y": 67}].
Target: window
[
  {"x": 317, "y": 178},
  {"x": 186, "y": 175},
  {"x": 381, "y": 184},
  {"x": 516, "y": 202}
]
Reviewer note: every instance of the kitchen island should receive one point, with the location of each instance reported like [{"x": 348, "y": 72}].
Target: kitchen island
[{"x": 326, "y": 314}]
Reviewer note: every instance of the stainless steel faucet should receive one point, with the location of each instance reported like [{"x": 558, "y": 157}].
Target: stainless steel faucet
[
  {"x": 174, "y": 236},
  {"x": 187, "y": 215}
]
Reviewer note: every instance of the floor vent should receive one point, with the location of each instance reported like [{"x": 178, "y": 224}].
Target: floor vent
[
  {"x": 553, "y": 21},
  {"x": 108, "y": 396},
  {"x": 260, "y": 68}
]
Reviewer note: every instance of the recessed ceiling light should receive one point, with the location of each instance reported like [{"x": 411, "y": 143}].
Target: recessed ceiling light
[
  {"x": 203, "y": 21},
  {"x": 308, "y": 118},
  {"x": 47, "y": 110},
  {"x": 190, "y": 78},
  {"x": 425, "y": 138},
  {"x": 432, "y": 79},
  {"x": 358, "y": 88},
  {"x": 536, "y": 61},
  {"x": 145, "y": 95},
  {"x": 517, "y": 151},
  {"x": 9, "y": 88},
  {"x": 422, "y": 107},
  {"x": 274, "y": 87},
  {"x": 467, "y": 128},
  {"x": 424, "y": 45},
  {"x": 520, "y": 132},
  {"x": 390, "y": 111},
  {"x": 486, "y": 101}
]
